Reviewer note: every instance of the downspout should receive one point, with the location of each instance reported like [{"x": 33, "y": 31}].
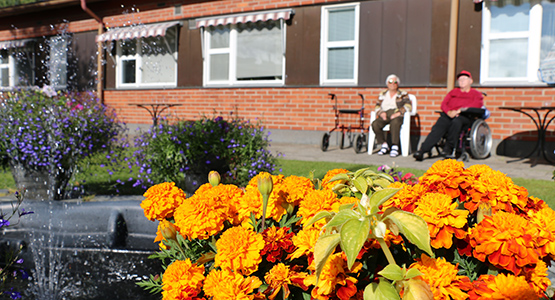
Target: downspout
[
  {"x": 99, "y": 73},
  {"x": 453, "y": 36}
]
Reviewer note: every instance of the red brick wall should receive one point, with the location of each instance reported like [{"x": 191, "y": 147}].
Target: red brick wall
[{"x": 312, "y": 108}]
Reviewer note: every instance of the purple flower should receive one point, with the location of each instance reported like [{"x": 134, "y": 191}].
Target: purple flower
[{"x": 4, "y": 223}]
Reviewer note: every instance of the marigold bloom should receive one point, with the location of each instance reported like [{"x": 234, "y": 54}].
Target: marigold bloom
[
  {"x": 446, "y": 176},
  {"x": 182, "y": 278},
  {"x": 444, "y": 220},
  {"x": 334, "y": 280},
  {"x": 239, "y": 250},
  {"x": 506, "y": 240},
  {"x": 297, "y": 188},
  {"x": 502, "y": 286},
  {"x": 326, "y": 184},
  {"x": 316, "y": 201},
  {"x": 277, "y": 242},
  {"x": 545, "y": 220},
  {"x": 407, "y": 197},
  {"x": 228, "y": 285},
  {"x": 442, "y": 277},
  {"x": 251, "y": 200},
  {"x": 166, "y": 230},
  {"x": 305, "y": 241},
  {"x": 495, "y": 188},
  {"x": 537, "y": 278},
  {"x": 280, "y": 277},
  {"x": 162, "y": 200},
  {"x": 203, "y": 214}
]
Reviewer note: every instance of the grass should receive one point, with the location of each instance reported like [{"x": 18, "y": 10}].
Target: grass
[{"x": 97, "y": 181}]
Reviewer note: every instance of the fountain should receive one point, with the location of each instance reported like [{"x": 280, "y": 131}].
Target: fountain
[{"x": 77, "y": 249}]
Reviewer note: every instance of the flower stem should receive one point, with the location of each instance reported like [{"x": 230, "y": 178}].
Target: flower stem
[{"x": 386, "y": 251}]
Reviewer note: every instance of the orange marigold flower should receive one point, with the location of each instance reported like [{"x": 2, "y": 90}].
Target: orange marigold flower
[
  {"x": 229, "y": 285},
  {"x": 545, "y": 220},
  {"x": 442, "y": 277},
  {"x": 405, "y": 198},
  {"x": 535, "y": 204},
  {"x": 305, "y": 241},
  {"x": 297, "y": 188},
  {"x": 162, "y": 200},
  {"x": 204, "y": 214},
  {"x": 537, "y": 277},
  {"x": 502, "y": 286},
  {"x": 239, "y": 250},
  {"x": 495, "y": 188},
  {"x": 280, "y": 277},
  {"x": 316, "y": 201},
  {"x": 182, "y": 278},
  {"x": 334, "y": 279},
  {"x": 251, "y": 201},
  {"x": 326, "y": 184},
  {"x": 277, "y": 242},
  {"x": 446, "y": 176},
  {"x": 506, "y": 240},
  {"x": 443, "y": 218},
  {"x": 344, "y": 200}
]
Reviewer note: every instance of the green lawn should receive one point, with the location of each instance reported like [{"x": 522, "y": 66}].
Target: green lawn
[{"x": 97, "y": 181}]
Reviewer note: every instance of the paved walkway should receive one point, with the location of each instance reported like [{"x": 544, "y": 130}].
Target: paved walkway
[{"x": 514, "y": 168}]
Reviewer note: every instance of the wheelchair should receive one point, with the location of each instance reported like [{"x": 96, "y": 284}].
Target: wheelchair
[{"x": 475, "y": 140}]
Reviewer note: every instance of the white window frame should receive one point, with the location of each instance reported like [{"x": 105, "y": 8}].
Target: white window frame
[
  {"x": 11, "y": 66},
  {"x": 53, "y": 70},
  {"x": 534, "y": 43},
  {"x": 232, "y": 52},
  {"x": 138, "y": 65},
  {"x": 325, "y": 45}
]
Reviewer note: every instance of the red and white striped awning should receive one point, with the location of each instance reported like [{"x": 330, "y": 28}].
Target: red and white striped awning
[
  {"x": 14, "y": 44},
  {"x": 135, "y": 32},
  {"x": 284, "y": 14}
]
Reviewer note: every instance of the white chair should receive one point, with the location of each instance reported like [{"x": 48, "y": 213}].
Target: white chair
[{"x": 405, "y": 129}]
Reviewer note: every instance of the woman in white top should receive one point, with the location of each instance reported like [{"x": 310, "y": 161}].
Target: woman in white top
[{"x": 390, "y": 108}]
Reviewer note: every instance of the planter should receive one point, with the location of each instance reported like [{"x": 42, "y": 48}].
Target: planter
[{"x": 38, "y": 185}]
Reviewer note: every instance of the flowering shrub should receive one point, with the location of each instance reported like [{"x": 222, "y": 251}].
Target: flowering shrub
[
  {"x": 460, "y": 233},
  {"x": 11, "y": 268},
  {"x": 238, "y": 149},
  {"x": 48, "y": 132},
  {"x": 407, "y": 178}
]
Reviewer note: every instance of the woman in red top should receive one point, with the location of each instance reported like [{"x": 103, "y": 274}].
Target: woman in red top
[{"x": 450, "y": 120}]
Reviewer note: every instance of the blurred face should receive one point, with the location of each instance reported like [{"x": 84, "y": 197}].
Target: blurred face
[
  {"x": 392, "y": 83},
  {"x": 464, "y": 82}
]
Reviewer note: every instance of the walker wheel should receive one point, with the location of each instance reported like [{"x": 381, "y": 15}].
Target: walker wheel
[
  {"x": 325, "y": 142},
  {"x": 342, "y": 145},
  {"x": 360, "y": 142}
]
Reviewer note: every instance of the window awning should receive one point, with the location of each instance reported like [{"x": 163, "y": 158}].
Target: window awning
[
  {"x": 263, "y": 16},
  {"x": 135, "y": 32},
  {"x": 14, "y": 43}
]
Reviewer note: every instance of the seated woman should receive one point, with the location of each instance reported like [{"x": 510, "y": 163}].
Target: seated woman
[{"x": 391, "y": 106}]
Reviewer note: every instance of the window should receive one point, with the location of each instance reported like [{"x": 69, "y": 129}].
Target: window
[
  {"x": 339, "y": 49},
  {"x": 250, "y": 53},
  {"x": 57, "y": 67},
  {"x": 148, "y": 61},
  {"x": 516, "y": 38},
  {"x": 16, "y": 66}
]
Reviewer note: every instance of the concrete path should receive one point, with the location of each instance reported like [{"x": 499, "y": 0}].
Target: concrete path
[{"x": 514, "y": 168}]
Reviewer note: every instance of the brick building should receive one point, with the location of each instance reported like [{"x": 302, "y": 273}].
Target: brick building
[{"x": 278, "y": 60}]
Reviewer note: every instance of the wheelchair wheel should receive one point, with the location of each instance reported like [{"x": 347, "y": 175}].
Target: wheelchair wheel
[
  {"x": 325, "y": 142},
  {"x": 480, "y": 139},
  {"x": 359, "y": 143}
]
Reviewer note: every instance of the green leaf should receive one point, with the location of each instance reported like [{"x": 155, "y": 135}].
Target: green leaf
[
  {"x": 320, "y": 215},
  {"x": 360, "y": 184},
  {"x": 353, "y": 235},
  {"x": 379, "y": 197},
  {"x": 342, "y": 176},
  {"x": 341, "y": 218},
  {"x": 382, "y": 291},
  {"x": 414, "y": 228},
  {"x": 413, "y": 272},
  {"x": 346, "y": 206},
  {"x": 392, "y": 272},
  {"x": 359, "y": 172},
  {"x": 323, "y": 249}
]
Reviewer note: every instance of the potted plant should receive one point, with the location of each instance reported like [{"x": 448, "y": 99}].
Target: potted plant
[{"x": 44, "y": 135}]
